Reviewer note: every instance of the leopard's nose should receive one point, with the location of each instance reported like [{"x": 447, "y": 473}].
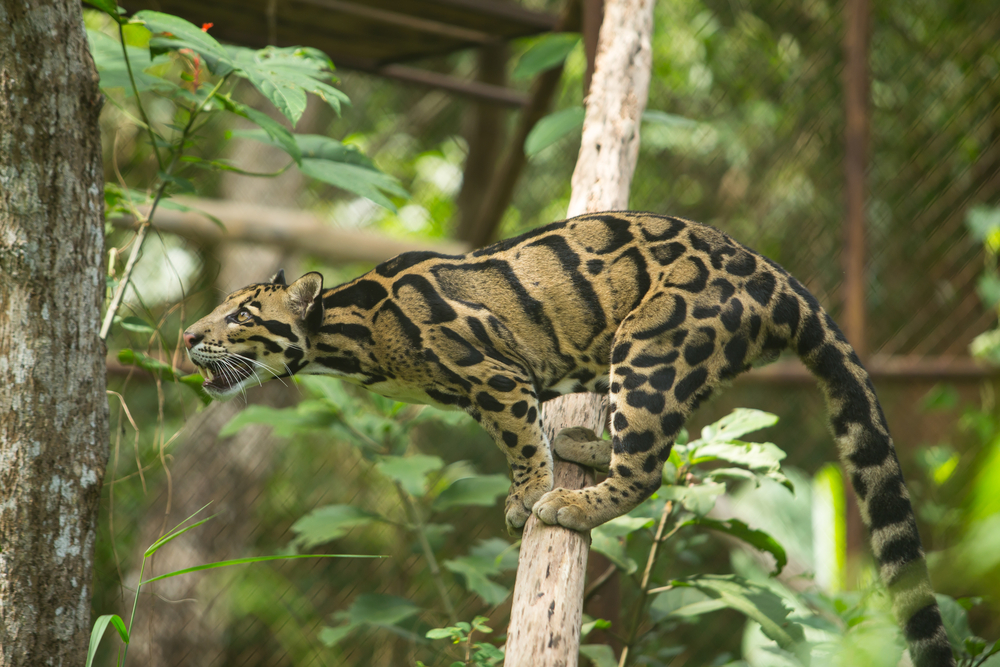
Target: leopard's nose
[{"x": 192, "y": 339}]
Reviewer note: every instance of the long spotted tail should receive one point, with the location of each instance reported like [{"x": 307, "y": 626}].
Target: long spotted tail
[{"x": 869, "y": 458}]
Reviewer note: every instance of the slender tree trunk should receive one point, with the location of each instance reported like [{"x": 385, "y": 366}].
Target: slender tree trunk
[
  {"x": 53, "y": 408},
  {"x": 548, "y": 595}
]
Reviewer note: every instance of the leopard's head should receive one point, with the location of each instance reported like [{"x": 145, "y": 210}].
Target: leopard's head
[{"x": 257, "y": 333}]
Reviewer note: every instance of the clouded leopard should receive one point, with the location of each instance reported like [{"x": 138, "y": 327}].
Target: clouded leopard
[{"x": 656, "y": 311}]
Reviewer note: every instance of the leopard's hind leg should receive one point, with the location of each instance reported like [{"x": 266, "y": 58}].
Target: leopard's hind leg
[{"x": 663, "y": 365}]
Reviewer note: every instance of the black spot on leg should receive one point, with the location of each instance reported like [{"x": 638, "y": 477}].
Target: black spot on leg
[
  {"x": 509, "y": 439},
  {"x": 732, "y": 316},
  {"x": 620, "y": 353},
  {"x": 487, "y": 402},
  {"x": 532, "y": 414},
  {"x": 634, "y": 442},
  {"x": 620, "y": 422},
  {"x": 653, "y": 402},
  {"x": 663, "y": 379},
  {"x": 691, "y": 383},
  {"x": 672, "y": 423},
  {"x": 502, "y": 383},
  {"x": 519, "y": 409},
  {"x": 623, "y": 471},
  {"x": 649, "y": 465},
  {"x": 528, "y": 451}
]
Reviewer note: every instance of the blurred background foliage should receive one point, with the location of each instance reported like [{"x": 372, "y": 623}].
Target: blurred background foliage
[{"x": 744, "y": 131}]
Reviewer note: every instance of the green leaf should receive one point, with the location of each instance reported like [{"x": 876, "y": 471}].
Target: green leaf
[
  {"x": 329, "y": 523},
  {"x": 109, "y": 7},
  {"x": 137, "y": 324},
  {"x": 599, "y": 655},
  {"x": 100, "y": 625},
  {"x": 552, "y": 128},
  {"x": 380, "y": 610},
  {"x": 955, "y": 618},
  {"x": 683, "y": 603},
  {"x": 737, "y": 423},
  {"x": 172, "y": 535},
  {"x": 330, "y": 636},
  {"x": 285, "y": 75},
  {"x": 476, "y": 570},
  {"x": 244, "y": 561},
  {"x": 410, "y": 471},
  {"x": 286, "y": 422},
  {"x": 113, "y": 71},
  {"x": 740, "y": 530},
  {"x": 757, "y": 603},
  {"x": 548, "y": 52},
  {"x": 338, "y": 164},
  {"x": 664, "y": 119},
  {"x": 608, "y": 540},
  {"x": 698, "y": 499},
  {"x": 174, "y": 33},
  {"x": 481, "y": 490},
  {"x": 279, "y": 136},
  {"x": 440, "y": 633}
]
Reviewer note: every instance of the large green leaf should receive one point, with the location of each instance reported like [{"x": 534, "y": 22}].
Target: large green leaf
[
  {"x": 682, "y": 602},
  {"x": 371, "y": 609},
  {"x": 277, "y": 134},
  {"x": 476, "y": 570},
  {"x": 338, "y": 164},
  {"x": 325, "y": 524},
  {"x": 368, "y": 183},
  {"x": 173, "y": 33},
  {"x": 480, "y": 490},
  {"x": 552, "y": 128},
  {"x": 548, "y": 52},
  {"x": 599, "y": 655},
  {"x": 737, "y": 423},
  {"x": 698, "y": 498},
  {"x": 410, "y": 471},
  {"x": 286, "y": 422},
  {"x": 608, "y": 539},
  {"x": 109, "y": 7},
  {"x": 488, "y": 558},
  {"x": 755, "y": 602},
  {"x": 113, "y": 71},
  {"x": 740, "y": 530},
  {"x": 285, "y": 75}
]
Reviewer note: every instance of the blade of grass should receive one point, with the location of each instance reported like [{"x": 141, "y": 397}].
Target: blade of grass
[{"x": 254, "y": 559}]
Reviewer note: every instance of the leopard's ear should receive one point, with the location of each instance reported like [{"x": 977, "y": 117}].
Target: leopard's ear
[
  {"x": 279, "y": 278},
  {"x": 305, "y": 299}
]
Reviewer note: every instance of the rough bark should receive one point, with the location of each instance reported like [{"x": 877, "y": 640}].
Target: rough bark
[
  {"x": 53, "y": 407},
  {"x": 601, "y": 180}
]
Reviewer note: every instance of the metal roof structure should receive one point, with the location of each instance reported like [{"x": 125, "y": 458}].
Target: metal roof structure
[{"x": 371, "y": 35}]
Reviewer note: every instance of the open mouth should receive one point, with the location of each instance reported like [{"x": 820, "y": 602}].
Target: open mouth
[{"x": 223, "y": 376}]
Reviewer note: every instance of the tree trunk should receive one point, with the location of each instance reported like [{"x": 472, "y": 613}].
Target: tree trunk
[
  {"x": 545, "y": 616},
  {"x": 53, "y": 407}
]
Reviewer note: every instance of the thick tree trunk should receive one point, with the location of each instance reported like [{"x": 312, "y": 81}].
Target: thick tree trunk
[
  {"x": 545, "y": 615},
  {"x": 53, "y": 408}
]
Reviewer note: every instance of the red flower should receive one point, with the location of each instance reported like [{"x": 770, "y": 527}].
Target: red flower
[{"x": 206, "y": 26}]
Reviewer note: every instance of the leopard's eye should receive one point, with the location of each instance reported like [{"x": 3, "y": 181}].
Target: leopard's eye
[{"x": 243, "y": 316}]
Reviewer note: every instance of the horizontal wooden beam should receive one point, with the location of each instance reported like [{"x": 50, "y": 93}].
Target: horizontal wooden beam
[
  {"x": 475, "y": 90},
  {"x": 288, "y": 229}
]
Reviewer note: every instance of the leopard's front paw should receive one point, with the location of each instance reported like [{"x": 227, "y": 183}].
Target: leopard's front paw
[
  {"x": 570, "y": 509},
  {"x": 521, "y": 499}
]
